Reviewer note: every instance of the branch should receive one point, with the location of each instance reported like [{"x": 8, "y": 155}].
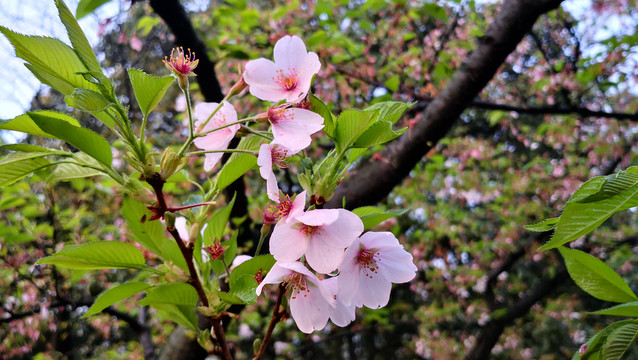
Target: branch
[{"x": 374, "y": 180}]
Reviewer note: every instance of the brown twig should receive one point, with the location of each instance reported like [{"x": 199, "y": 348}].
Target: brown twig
[
  {"x": 276, "y": 316},
  {"x": 157, "y": 183}
]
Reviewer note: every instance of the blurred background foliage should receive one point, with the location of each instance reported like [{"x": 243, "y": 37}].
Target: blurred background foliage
[{"x": 553, "y": 116}]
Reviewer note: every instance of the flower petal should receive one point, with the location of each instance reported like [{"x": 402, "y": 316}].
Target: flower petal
[
  {"x": 294, "y": 128},
  {"x": 274, "y": 276},
  {"x": 343, "y": 231},
  {"x": 310, "y": 312},
  {"x": 321, "y": 257},
  {"x": 289, "y": 52},
  {"x": 287, "y": 243},
  {"x": 319, "y": 217},
  {"x": 341, "y": 314},
  {"x": 297, "y": 207},
  {"x": 260, "y": 75},
  {"x": 373, "y": 292}
]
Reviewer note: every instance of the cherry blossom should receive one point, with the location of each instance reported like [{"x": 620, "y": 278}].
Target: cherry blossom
[
  {"x": 370, "y": 265},
  {"x": 269, "y": 155},
  {"x": 216, "y": 140},
  {"x": 288, "y": 78},
  {"x": 292, "y": 127},
  {"x": 320, "y": 235},
  {"x": 310, "y": 301},
  {"x": 285, "y": 208},
  {"x": 180, "y": 64},
  {"x": 341, "y": 314}
]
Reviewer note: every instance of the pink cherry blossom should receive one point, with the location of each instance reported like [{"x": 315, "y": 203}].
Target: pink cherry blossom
[
  {"x": 320, "y": 235},
  {"x": 371, "y": 264},
  {"x": 292, "y": 127},
  {"x": 269, "y": 155},
  {"x": 217, "y": 140},
  {"x": 341, "y": 314},
  {"x": 309, "y": 300},
  {"x": 286, "y": 209},
  {"x": 289, "y": 77}
]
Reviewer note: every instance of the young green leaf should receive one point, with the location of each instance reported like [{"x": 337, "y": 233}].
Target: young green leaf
[
  {"x": 593, "y": 203},
  {"x": 350, "y": 125},
  {"x": 66, "y": 172},
  {"x": 81, "y": 138},
  {"x": 372, "y": 216},
  {"x": 181, "y": 314},
  {"x": 76, "y": 35},
  {"x": 626, "y": 309},
  {"x": 595, "y": 277},
  {"x": 11, "y": 172},
  {"x": 379, "y": 133},
  {"x": 148, "y": 89},
  {"x": 234, "y": 169},
  {"x": 174, "y": 293},
  {"x": 85, "y": 7},
  {"x": 619, "y": 341},
  {"x": 51, "y": 57},
  {"x": 243, "y": 291},
  {"x": 88, "y": 101},
  {"x": 115, "y": 294},
  {"x": 98, "y": 255},
  {"x": 596, "y": 342},
  {"x": 320, "y": 108},
  {"x": 217, "y": 223},
  {"x": 250, "y": 267},
  {"x": 390, "y": 111},
  {"x": 545, "y": 225},
  {"x": 25, "y": 124}
]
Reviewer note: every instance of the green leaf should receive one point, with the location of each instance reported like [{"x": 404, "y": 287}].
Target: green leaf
[
  {"x": 390, "y": 110},
  {"x": 243, "y": 291},
  {"x": 596, "y": 342},
  {"x": 51, "y": 57},
  {"x": 29, "y": 148},
  {"x": 593, "y": 203},
  {"x": 371, "y": 216},
  {"x": 113, "y": 295},
  {"x": 217, "y": 223},
  {"x": 251, "y": 267},
  {"x": 619, "y": 341},
  {"x": 66, "y": 171},
  {"x": 150, "y": 234},
  {"x": 350, "y": 125},
  {"x": 379, "y": 133},
  {"x": 234, "y": 169},
  {"x": 174, "y": 293},
  {"x": 12, "y": 171},
  {"x": 545, "y": 225},
  {"x": 81, "y": 138},
  {"x": 626, "y": 309},
  {"x": 595, "y": 277},
  {"x": 320, "y": 108},
  {"x": 76, "y": 35},
  {"x": 53, "y": 81},
  {"x": 86, "y": 7},
  {"x": 148, "y": 89},
  {"x": 98, "y": 255},
  {"x": 24, "y": 123},
  {"x": 181, "y": 314},
  {"x": 88, "y": 101},
  {"x": 392, "y": 83}
]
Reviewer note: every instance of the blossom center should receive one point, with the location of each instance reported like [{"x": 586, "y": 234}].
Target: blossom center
[
  {"x": 276, "y": 114},
  {"x": 280, "y": 210},
  {"x": 180, "y": 63},
  {"x": 279, "y": 157},
  {"x": 296, "y": 283},
  {"x": 309, "y": 230},
  {"x": 368, "y": 263},
  {"x": 288, "y": 80}
]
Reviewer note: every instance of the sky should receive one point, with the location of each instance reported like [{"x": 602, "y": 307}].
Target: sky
[{"x": 39, "y": 17}]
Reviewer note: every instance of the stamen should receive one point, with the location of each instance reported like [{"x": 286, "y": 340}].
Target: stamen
[
  {"x": 288, "y": 80},
  {"x": 296, "y": 283},
  {"x": 366, "y": 259},
  {"x": 309, "y": 230}
]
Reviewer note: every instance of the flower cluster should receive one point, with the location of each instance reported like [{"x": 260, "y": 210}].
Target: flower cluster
[
  {"x": 328, "y": 264},
  {"x": 331, "y": 241}
]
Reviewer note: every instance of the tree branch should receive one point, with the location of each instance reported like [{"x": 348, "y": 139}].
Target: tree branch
[{"x": 374, "y": 180}]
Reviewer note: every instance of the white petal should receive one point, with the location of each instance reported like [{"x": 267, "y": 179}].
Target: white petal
[
  {"x": 373, "y": 292},
  {"x": 343, "y": 231},
  {"x": 397, "y": 265},
  {"x": 297, "y": 207},
  {"x": 289, "y": 52},
  {"x": 274, "y": 276},
  {"x": 260, "y": 75},
  {"x": 319, "y": 217},
  {"x": 323, "y": 258},
  {"x": 294, "y": 128},
  {"x": 341, "y": 314},
  {"x": 287, "y": 243},
  {"x": 310, "y": 311},
  {"x": 264, "y": 160}
]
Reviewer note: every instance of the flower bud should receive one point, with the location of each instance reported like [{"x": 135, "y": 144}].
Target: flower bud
[{"x": 238, "y": 87}]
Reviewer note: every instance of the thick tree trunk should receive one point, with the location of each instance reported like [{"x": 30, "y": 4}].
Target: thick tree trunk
[{"x": 374, "y": 180}]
